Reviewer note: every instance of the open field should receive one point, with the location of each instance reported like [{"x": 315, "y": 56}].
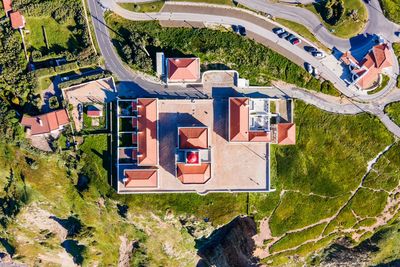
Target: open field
[
  {"x": 347, "y": 26},
  {"x": 59, "y": 36},
  {"x": 391, "y": 9}
]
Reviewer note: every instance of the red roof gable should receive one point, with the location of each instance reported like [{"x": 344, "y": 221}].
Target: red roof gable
[
  {"x": 17, "y": 20},
  {"x": 147, "y": 131},
  {"x": 194, "y": 174},
  {"x": 239, "y": 119},
  {"x": 286, "y": 133},
  {"x": 7, "y": 6},
  {"x": 193, "y": 137},
  {"x": 183, "y": 69},
  {"x": 46, "y": 123},
  {"x": 141, "y": 178}
]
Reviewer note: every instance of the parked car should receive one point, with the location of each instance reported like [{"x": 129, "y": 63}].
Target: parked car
[
  {"x": 284, "y": 34},
  {"x": 317, "y": 54},
  {"x": 278, "y": 30},
  {"x": 290, "y": 37},
  {"x": 80, "y": 108},
  {"x": 308, "y": 67},
  {"x": 235, "y": 28},
  {"x": 310, "y": 49},
  {"x": 295, "y": 41},
  {"x": 63, "y": 79},
  {"x": 242, "y": 30}
]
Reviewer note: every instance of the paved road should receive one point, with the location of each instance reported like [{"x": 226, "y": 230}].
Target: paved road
[{"x": 131, "y": 82}]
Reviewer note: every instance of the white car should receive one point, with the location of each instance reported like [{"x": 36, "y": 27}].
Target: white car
[
  {"x": 309, "y": 68},
  {"x": 63, "y": 79}
]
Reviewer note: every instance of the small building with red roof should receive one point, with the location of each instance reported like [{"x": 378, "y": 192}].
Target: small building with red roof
[
  {"x": 250, "y": 121},
  {"x": 17, "y": 20},
  {"x": 193, "y": 164},
  {"x": 181, "y": 70},
  {"x": 46, "y": 123},
  {"x": 94, "y": 112},
  {"x": 139, "y": 178},
  {"x": 7, "y": 7},
  {"x": 366, "y": 73}
]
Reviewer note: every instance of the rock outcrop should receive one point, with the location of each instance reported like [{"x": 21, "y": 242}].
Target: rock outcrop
[{"x": 231, "y": 245}]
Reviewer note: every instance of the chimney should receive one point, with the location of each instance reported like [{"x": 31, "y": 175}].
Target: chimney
[{"x": 39, "y": 120}]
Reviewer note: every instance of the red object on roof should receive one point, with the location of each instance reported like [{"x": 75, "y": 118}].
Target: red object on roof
[
  {"x": 198, "y": 174},
  {"x": 193, "y": 137},
  {"x": 183, "y": 69},
  {"x": 17, "y": 20},
  {"x": 46, "y": 123},
  {"x": 286, "y": 133},
  {"x": 141, "y": 178},
  {"x": 7, "y": 6},
  {"x": 239, "y": 119},
  {"x": 192, "y": 157},
  {"x": 147, "y": 131}
]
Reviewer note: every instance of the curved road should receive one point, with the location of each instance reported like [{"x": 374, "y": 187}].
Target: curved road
[{"x": 132, "y": 82}]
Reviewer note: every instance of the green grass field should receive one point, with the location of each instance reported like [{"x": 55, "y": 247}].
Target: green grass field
[
  {"x": 393, "y": 111},
  {"x": 145, "y": 7},
  {"x": 391, "y": 9},
  {"x": 347, "y": 26},
  {"x": 59, "y": 36}
]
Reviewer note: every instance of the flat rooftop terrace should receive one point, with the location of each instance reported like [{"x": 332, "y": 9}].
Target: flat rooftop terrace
[{"x": 235, "y": 167}]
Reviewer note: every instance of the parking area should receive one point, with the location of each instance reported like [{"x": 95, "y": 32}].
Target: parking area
[{"x": 98, "y": 92}]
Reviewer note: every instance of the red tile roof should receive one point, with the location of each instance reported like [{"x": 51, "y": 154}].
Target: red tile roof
[
  {"x": 286, "y": 133},
  {"x": 141, "y": 178},
  {"x": 93, "y": 111},
  {"x": 372, "y": 65},
  {"x": 147, "y": 131},
  {"x": 239, "y": 119},
  {"x": 194, "y": 174},
  {"x": 7, "y": 6},
  {"x": 17, "y": 20},
  {"x": 183, "y": 69},
  {"x": 347, "y": 58},
  {"x": 193, "y": 137},
  {"x": 45, "y": 123},
  {"x": 258, "y": 136}
]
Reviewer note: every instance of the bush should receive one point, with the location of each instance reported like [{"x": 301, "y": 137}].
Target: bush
[{"x": 54, "y": 104}]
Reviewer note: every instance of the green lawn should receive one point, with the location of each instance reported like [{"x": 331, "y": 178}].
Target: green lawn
[
  {"x": 367, "y": 203},
  {"x": 145, "y": 7},
  {"x": 216, "y": 49},
  {"x": 59, "y": 36},
  {"x": 386, "y": 174},
  {"x": 391, "y": 9},
  {"x": 393, "y": 111},
  {"x": 385, "y": 80},
  {"x": 347, "y": 26},
  {"x": 303, "y": 31}
]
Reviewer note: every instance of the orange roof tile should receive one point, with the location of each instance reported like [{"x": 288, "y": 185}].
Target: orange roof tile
[
  {"x": 183, "y": 69},
  {"x": 286, "y": 133},
  {"x": 17, "y": 20},
  {"x": 239, "y": 119},
  {"x": 259, "y": 136},
  {"x": 193, "y": 174},
  {"x": 347, "y": 58},
  {"x": 7, "y": 6},
  {"x": 193, "y": 137},
  {"x": 147, "y": 131},
  {"x": 45, "y": 123},
  {"x": 141, "y": 178},
  {"x": 369, "y": 79}
]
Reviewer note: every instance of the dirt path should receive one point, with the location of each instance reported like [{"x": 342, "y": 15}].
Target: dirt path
[{"x": 264, "y": 240}]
